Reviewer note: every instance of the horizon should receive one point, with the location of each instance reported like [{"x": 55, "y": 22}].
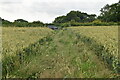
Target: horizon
[
  {"x": 45, "y": 11},
  {"x": 41, "y": 21}
]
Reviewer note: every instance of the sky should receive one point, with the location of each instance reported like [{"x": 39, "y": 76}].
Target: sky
[{"x": 47, "y": 10}]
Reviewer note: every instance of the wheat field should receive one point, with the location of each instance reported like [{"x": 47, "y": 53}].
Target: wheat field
[{"x": 73, "y": 52}]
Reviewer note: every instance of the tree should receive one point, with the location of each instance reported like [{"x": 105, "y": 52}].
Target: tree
[
  {"x": 21, "y": 23},
  {"x": 60, "y": 19},
  {"x": 110, "y": 13},
  {"x": 6, "y": 23},
  {"x": 76, "y": 16},
  {"x": 36, "y": 24},
  {"x": 72, "y": 16},
  {"x": 21, "y": 20}
]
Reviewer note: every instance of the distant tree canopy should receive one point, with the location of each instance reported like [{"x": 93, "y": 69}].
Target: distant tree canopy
[
  {"x": 22, "y": 23},
  {"x": 6, "y": 22},
  {"x": 21, "y": 20},
  {"x": 76, "y": 16},
  {"x": 36, "y": 23},
  {"x": 110, "y": 13}
]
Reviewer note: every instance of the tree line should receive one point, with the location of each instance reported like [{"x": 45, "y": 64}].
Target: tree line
[
  {"x": 22, "y": 23},
  {"x": 110, "y": 15}
]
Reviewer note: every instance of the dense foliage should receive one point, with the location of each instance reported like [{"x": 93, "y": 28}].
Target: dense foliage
[
  {"x": 110, "y": 13},
  {"x": 96, "y": 22},
  {"x": 76, "y": 16},
  {"x": 22, "y": 23},
  {"x": 6, "y": 22}
]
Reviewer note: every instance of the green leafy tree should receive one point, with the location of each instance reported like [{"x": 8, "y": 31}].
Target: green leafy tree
[
  {"x": 6, "y": 23},
  {"x": 36, "y": 24},
  {"x": 110, "y": 13},
  {"x": 76, "y": 16},
  {"x": 60, "y": 19},
  {"x": 21, "y": 20},
  {"x": 21, "y": 23}
]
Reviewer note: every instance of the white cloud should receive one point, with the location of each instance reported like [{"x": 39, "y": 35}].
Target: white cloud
[{"x": 47, "y": 10}]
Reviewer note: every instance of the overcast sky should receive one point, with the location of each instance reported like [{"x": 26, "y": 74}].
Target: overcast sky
[{"x": 47, "y": 10}]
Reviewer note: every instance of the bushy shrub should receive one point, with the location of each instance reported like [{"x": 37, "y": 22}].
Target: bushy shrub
[{"x": 94, "y": 23}]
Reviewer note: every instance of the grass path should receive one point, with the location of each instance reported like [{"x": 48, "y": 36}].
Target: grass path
[{"x": 61, "y": 55}]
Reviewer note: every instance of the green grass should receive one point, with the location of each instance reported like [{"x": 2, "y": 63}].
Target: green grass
[{"x": 62, "y": 54}]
